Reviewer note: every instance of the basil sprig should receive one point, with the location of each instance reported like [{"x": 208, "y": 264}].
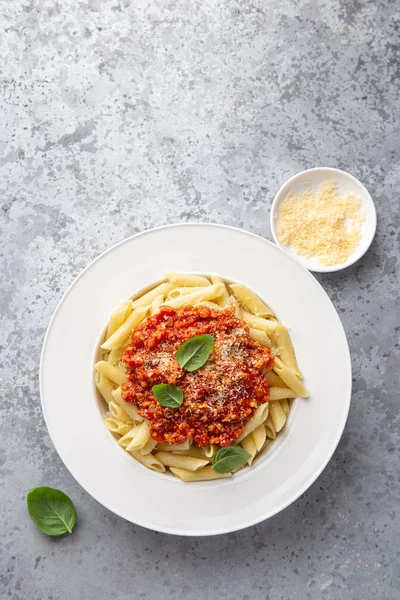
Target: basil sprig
[
  {"x": 51, "y": 510},
  {"x": 194, "y": 353},
  {"x": 227, "y": 459},
  {"x": 168, "y": 395}
]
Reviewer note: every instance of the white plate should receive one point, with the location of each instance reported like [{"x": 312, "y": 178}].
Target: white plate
[
  {"x": 74, "y": 416},
  {"x": 346, "y": 184}
]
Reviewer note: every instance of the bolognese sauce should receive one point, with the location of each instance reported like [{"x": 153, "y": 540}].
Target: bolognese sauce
[{"x": 219, "y": 398}]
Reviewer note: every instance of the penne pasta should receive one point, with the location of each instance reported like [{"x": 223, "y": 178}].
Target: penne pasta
[
  {"x": 185, "y": 279},
  {"x": 223, "y": 299},
  {"x": 259, "y": 417},
  {"x": 278, "y": 393},
  {"x": 125, "y": 330},
  {"x": 277, "y": 415},
  {"x": 182, "y": 291},
  {"x": 249, "y": 445},
  {"x": 149, "y": 461},
  {"x": 180, "y": 461},
  {"x": 174, "y": 447},
  {"x": 140, "y": 437},
  {"x": 235, "y": 305},
  {"x": 113, "y": 373},
  {"x": 155, "y": 343},
  {"x": 115, "y": 356},
  {"x": 155, "y": 304},
  {"x": 149, "y": 446},
  {"x": 274, "y": 380},
  {"x": 285, "y": 405},
  {"x": 286, "y": 352},
  {"x": 260, "y": 337},
  {"x": 147, "y": 299},
  {"x": 118, "y": 412},
  {"x": 116, "y": 426},
  {"x": 105, "y": 387},
  {"x": 207, "y": 293},
  {"x": 118, "y": 316},
  {"x": 270, "y": 428},
  {"x": 290, "y": 378},
  {"x": 259, "y": 436},
  {"x": 259, "y": 323},
  {"x": 251, "y": 301},
  {"x": 128, "y": 407},
  {"x": 204, "y": 474}
]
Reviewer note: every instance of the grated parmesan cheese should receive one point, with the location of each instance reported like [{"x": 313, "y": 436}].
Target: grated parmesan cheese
[{"x": 326, "y": 225}]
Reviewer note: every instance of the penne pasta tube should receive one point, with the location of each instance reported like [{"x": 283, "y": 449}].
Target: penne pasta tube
[
  {"x": 126, "y": 439},
  {"x": 118, "y": 316},
  {"x": 113, "y": 373},
  {"x": 270, "y": 428},
  {"x": 260, "y": 337},
  {"x": 259, "y": 417},
  {"x": 140, "y": 437},
  {"x": 149, "y": 446},
  {"x": 130, "y": 409},
  {"x": 277, "y": 415},
  {"x": 251, "y": 301},
  {"x": 206, "y": 293},
  {"x": 105, "y": 386},
  {"x": 223, "y": 299},
  {"x": 259, "y": 436},
  {"x": 274, "y": 380},
  {"x": 125, "y": 330},
  {"x": 174, "y": 447},
  {"x": 149, "y": 461},
  {"x": 116, "y": 426},
  {"x": 249, "y": 445},
  {"x": 278, "y": 393},
  {"x": 235, "y": 304},
  {"x": 185, "y": 279},
  {"x": 259, "y": 323},
  {"x": 182, "y": 291},
  {"x": 115, "y": 356},
  {"x": 209, "y": 304},
  {"x": 204, "y": 474},
  {"x": 209, "y": 450},
  {"x": 285, "y": 406},
  {"x": 118, "y": 412},
  {"x": 290, "y": 378},
  {"x": 180, "y": 461},
  {"x": 155, "y": 304},
  {"x": 286, "y": 352},
  {"x": 146, "y": 299}
]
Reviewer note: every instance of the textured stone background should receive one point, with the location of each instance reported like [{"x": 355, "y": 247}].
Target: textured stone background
[{"x": 117, "y": 116}]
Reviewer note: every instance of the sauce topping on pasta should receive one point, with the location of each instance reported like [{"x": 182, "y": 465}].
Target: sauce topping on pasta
[{"x": 219, "y": 398}]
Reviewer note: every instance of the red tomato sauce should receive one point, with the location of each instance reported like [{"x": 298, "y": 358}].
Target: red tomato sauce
[{"x": 219, "y": 398}]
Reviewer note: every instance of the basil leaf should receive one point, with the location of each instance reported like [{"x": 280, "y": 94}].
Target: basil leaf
[
  {"x": 227, "y": 459},
  {"x": 51, "y": 510},
  {"x": 168, "y": 395},
  {"x": 194, "y": 352}
]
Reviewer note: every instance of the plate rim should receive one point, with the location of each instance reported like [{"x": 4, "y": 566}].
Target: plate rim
[{"x": 299, "y": 492}]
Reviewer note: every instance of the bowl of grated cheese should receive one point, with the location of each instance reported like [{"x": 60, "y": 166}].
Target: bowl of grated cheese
[{"x": 324, "y": 218}]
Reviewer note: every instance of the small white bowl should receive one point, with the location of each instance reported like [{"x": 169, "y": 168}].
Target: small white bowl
[{"x": 346, "y": 184}]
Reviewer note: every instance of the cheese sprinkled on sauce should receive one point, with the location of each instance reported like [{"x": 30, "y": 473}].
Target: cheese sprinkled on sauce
[{"x": 326, "y": 225}]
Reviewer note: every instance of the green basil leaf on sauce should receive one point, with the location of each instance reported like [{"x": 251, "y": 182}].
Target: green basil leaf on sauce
[
  {"x": 168, "y": 395},
  {"x": 194, "y": 353},
  {"x": 51, "y": 510},
  {"x": 227, "y": 459}
]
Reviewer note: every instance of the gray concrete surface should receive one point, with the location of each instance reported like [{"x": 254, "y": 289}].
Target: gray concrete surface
[{"x": 117, "y": 116}]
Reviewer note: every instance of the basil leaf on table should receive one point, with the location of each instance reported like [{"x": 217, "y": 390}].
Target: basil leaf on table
[
  {"x": 227, "y": 459},
  {"x": 51, "y": 510},
  {"x": 168, "y": 395},
  {"x": 193, "y": 353}
]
